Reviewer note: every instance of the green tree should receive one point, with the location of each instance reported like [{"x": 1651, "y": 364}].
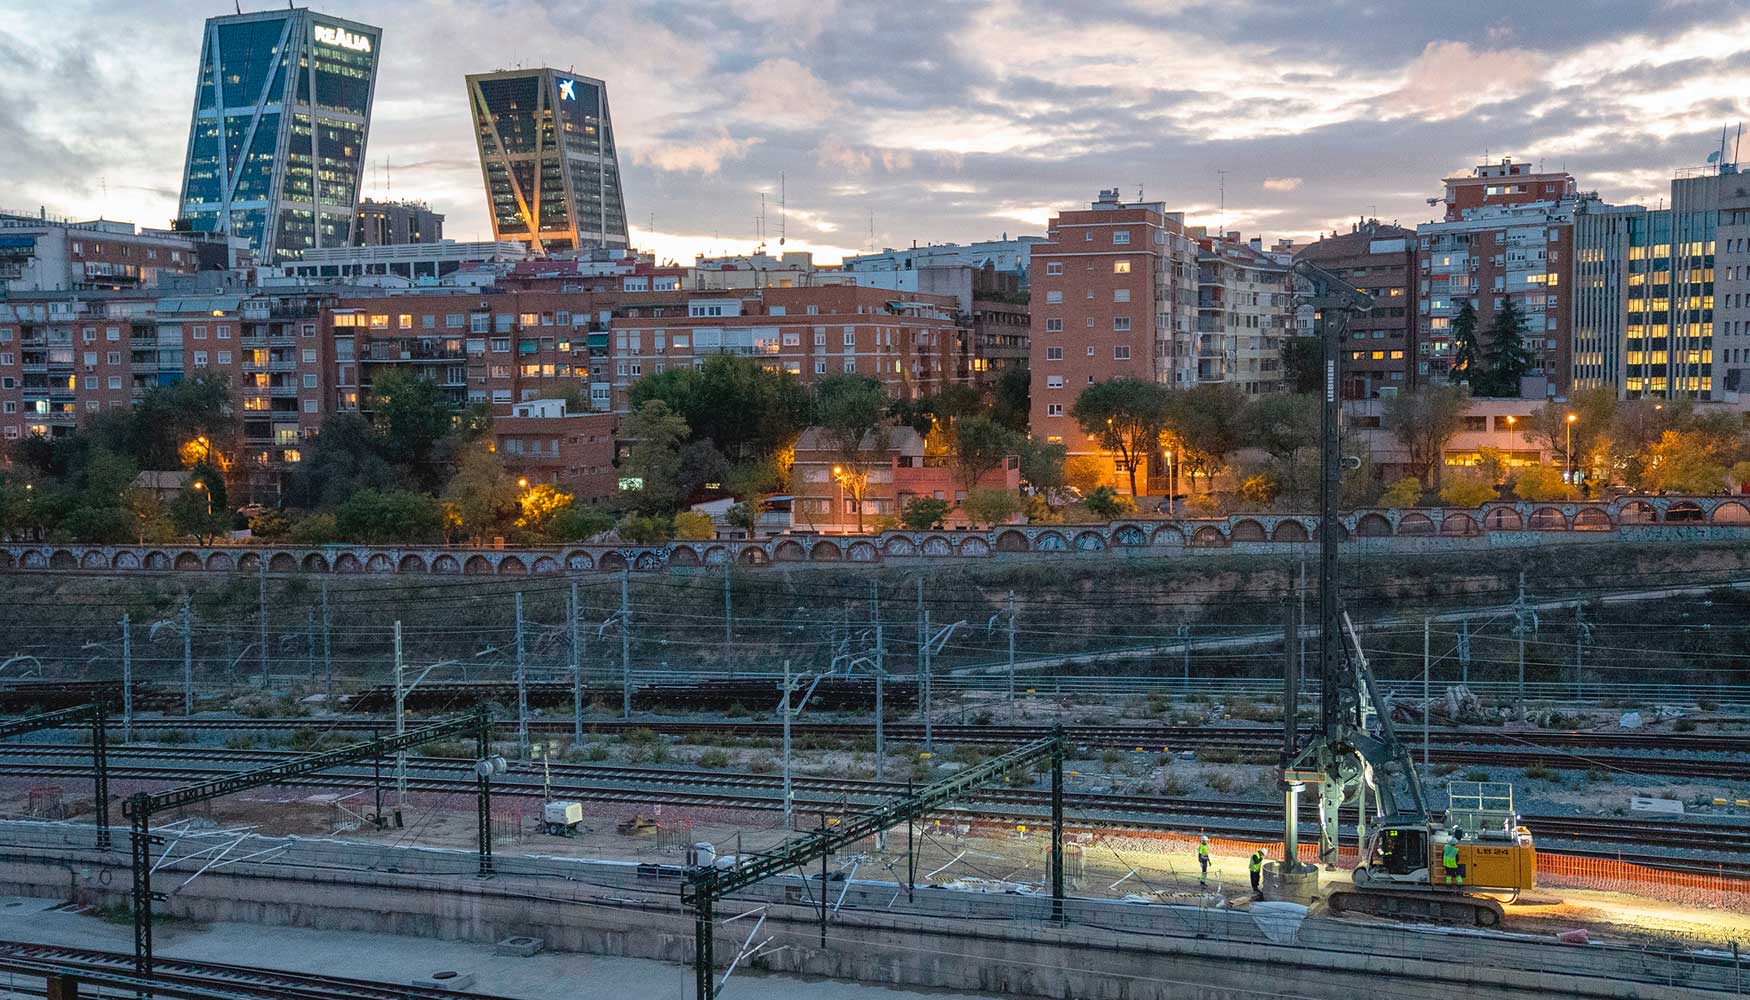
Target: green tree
[
  {"x": 923, "y": 513},
  {"x": 1302, "y": 359},
  {"x": 981, "y": 445},
  {"x": 644, "y": 529},
  {"x": 168, "y": 417},
  {"x": 343, "y": 458},
  {"x": 1507, "y": 358},
  {"x": 1287, "y": 429},
  {"x": 1205, "y": 426},
  {"x": 1042, "y": 465},
  {"x": 1405, "y": 492},
  {"x": 482, "y": 495},
  {"x": 1467, "y": 354},
  {"x": 315, "y": 529},
  {"x": 1595, "y": 423},
  {"x": 579, "y": 524},
  {"x": 1107, "y": 503},
  {"x": 1423, "y": 421},
  {"x": 991, "y": 507},
  {"x": 1011, "y": 401},
  {"x": 1541, "y": 482},
  {"x": 739, "y": 405},
  {"x": 1687, "y": 462},
  {"x": 374, "y": 517},
  {"x": 1084, "y": 473},
  {"x": 199, "y": 510},
  {"x": 1260, "y": 490},
  {"x": 653, "y": 459},
  {"x": 1126, "y": 416},
  {"x": 851, "y": 413},
  {"x": 411, "y": 417}
]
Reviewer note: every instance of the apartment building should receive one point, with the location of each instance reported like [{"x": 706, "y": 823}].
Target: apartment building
[
  {"x": 40, "y": 254},
  {"x": 543, "y": 441},
  {"x": 65, "y": 358},
  {"x": 1114, "y": 294},
  {"x": 1508, "y": 233},
  {"x": 1379, "y": 349},
  {"x": 1244, "y": 312}
]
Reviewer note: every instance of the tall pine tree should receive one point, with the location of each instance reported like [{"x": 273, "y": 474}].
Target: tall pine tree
[
  {"x": 1467, "y": 357},
  {"x": 1507, "y": 358}
]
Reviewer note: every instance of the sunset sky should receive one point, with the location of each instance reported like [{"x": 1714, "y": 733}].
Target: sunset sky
[{"x": 947, "y": 121}]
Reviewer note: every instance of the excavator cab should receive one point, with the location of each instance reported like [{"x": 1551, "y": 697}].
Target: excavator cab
[{"x": 1398, "y": 853}]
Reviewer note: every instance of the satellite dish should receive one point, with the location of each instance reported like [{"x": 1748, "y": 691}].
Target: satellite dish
[
  {"x": 1351, "y": 462},
  {"x": 1713, "y": 157}
]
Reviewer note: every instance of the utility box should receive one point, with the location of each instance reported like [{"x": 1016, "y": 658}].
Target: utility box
[{"x": 561, "y": 818}]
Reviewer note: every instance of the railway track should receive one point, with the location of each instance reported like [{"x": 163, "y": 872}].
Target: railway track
[
  {"x": 232, "y": 980},
  {"x": 676, "y": 786},
  {"x": 1559, "y": 750}
]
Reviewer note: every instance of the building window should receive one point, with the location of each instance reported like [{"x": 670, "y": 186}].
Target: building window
[
  {"x": 1121, "y": 352},
  {"x": 1121, "y": 267},
  {"x": 224, "y": 357},
  {"x": 1121, "y": 237},
  {"x": 1054, "y": 354},
  {"x": 1054, "y": 381},
  {"x": 1121, "y": 324},
  {"x": 1054, "y": 409},
  {"x": 200, "y": 359},
  {"x": 115, "y": 382},
  {"x": 1054, "y": 325},
  {"x": 1054, "y": 267},
  {"x": 1053, "y": 297},
  {"x": 1120, "y": 295},
  {"x": 199, "y": 333}
]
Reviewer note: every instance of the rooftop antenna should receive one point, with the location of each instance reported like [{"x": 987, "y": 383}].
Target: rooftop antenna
[
  {"x": 1221, "y": 224},
  {"x": 1139, "y": 192},
  {"x": 1737, "y": 142},
  {"x": 783, "y": 211},
  {"x": 871, "y": 230},
  {"x": 761, "y": 228}
]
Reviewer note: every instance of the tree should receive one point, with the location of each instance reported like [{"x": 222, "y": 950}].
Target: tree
[
  {"x": 1541, "y": 482},
  {"x": 1423, "y": 421},
  {"x": 482, "y": 496},
  {"x": 1507, "y": 359},
  {"x": 1106, "y": 502},
  {"x": 193, "y": 513},
  {"x": 170, "y": 416},
  {"x": 645, "y": 529},
  {"x": 1405, "y": 492},
  {"x": 411, "y": 416},
  {"x": 923, "y": 513},
  {"x": 1287, "y": 429},
  {"x": 1302, "y": 361},
  {"x": 377, "y": 517},
  {"x": 316, "y": 529},
  {"x": 1011, "y": 401},
  {"x": 343, "y": 458},
  {"x": 1260, "y": 490},
  {"x": 694, "y": 526},
  {"x": 981, "y": 445},
  {"x": 539, "y": 505},
  {"x": 579, "y": 524},
  {"x": 739, "y": 405},
  {"x": 1042, "y": 465},
  {"x": 1686, "y": 462},
  {"x": 653, "y": 461},
  {"x": 700, "y": 463},
  {"x": 1126, "y": 416},
  {"x": 1467, "y": 354},
  {"x": 1468, "y": 490},
  {"x": 991, "y": 507},
  {"x": 1595, "y": 416},
  {"x": 850, "y": 411},
  {"x": 1206, "y": 425},
  {"x": 1084, "y": 473}
]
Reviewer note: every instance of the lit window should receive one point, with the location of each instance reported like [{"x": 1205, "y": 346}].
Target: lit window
[{"x": 1121, "y": 267}]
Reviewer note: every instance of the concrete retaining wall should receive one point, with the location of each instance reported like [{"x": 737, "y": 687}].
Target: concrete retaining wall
[{"x": 1021, "y": 958}]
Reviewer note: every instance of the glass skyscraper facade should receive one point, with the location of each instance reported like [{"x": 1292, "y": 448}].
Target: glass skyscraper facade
[
  {"x": 277, "y": 144},
  {"x": 548, "y": 159}
]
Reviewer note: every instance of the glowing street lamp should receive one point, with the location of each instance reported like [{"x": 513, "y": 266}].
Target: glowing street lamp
[
  {"x": 198, "y": 485},
  {"x": 1571, "y": 419},
  {"x": 522, "y": 482},
  {"x": 1511, "y": 420}
]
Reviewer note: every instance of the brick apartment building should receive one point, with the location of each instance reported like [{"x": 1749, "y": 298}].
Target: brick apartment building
[
  {"x": 1113, "y": 295},
  {"x": 1244, "y": 312},
  {"x": 543, "y": 442},
  {"x": 823, "y": 504},
  {"x": 1508, "y": 232},
  {"x": 1379, "y": 351}
]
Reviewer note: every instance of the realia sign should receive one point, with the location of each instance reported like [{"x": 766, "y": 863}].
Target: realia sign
[{"x": 342, "y": 38}]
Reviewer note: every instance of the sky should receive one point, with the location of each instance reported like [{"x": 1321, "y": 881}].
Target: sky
[{"x": 934, "y": 122}]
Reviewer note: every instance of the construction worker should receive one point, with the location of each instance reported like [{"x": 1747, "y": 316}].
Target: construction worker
[
  {"x": 1449, "y": 859},
  {"x": 1203, "y": 860},
  {"x": 1257, "y": 869}
]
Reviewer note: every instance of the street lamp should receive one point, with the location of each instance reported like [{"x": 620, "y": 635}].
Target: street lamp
[
  {"x": 1571, "y": 419},
  {"x": 522, "y": 482},
  {"x": 1511, "y": 420},
  {"x": 198, "y": 485},
  {"x": 1172, "y": 480}
]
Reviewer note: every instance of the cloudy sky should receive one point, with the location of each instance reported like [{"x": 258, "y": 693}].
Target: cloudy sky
[{"x": 944, "y": 121}]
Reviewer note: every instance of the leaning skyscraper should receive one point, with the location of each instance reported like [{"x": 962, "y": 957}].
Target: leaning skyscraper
[
  {"x": 277, "y": 145},
  {"x": 547, "y": 156}
]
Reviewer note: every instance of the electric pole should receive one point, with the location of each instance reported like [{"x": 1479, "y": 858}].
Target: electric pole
[
  {"x": 327, "y": 653},
  {"x": 522, "y": 685},
  {"x": 400, "y": 728},
  {"x": 261, "y": 637},
  {"x": 127, "y": 681},
  {"x": 626, "y": 643},
  {"x": 1011, "y": 654},
  {"x": 187, "y": 657},
  {"x": 576, "y": 669}
]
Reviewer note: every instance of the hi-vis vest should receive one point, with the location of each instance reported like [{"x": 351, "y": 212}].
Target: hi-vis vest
[
  {"x": 1257, "y": 863},
  {"x": 1449, "y": 856},
  {"x": 1203, "y": 850}
]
